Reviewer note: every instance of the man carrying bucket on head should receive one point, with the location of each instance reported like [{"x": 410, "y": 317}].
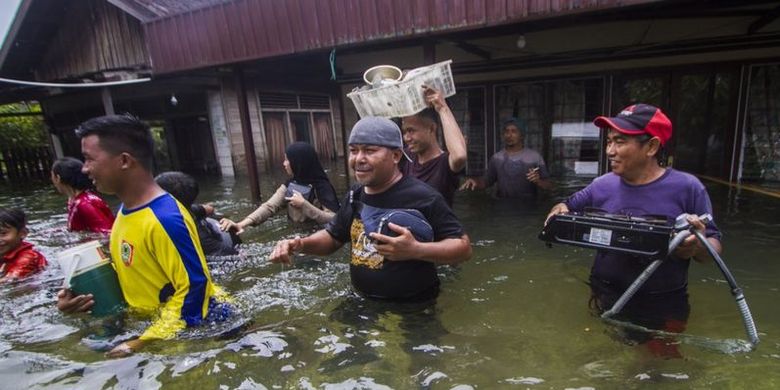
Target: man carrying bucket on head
[
  {"x": 428, "y": 162},
  {"x": 397, "y": 263},
  {"x": 154, "y": 242},
  {"x": 639, "y": 186}
]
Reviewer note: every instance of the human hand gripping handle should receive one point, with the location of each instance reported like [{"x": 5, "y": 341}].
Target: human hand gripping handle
[
  {"x": 69, "y": 303},
  {"x": 296, "y": 200},
  {"x": 284, "y": 250},
  {"x": 559, "y": 208},
  {"x": 691, "y": 245},
  {"x": 402, "y": 247},
  {"x": 434, "y": 98}
]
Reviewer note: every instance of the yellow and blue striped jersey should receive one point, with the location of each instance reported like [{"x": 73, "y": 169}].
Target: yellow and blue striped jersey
[{"x": 161, "y": 267}]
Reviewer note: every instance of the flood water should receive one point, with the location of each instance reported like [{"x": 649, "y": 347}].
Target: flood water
[{"x": 515, "y": 316}]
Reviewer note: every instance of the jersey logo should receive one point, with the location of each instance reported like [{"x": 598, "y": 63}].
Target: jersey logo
[{"x": 126, "y": 253}]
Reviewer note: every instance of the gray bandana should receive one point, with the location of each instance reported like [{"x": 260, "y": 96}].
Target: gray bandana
[{"x": 377, "y": 131}]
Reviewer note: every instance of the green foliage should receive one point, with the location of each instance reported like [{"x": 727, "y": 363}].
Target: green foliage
[{"x": 22, "y": 130}]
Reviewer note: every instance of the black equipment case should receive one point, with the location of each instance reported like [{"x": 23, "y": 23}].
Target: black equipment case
[{"x": 646, "y": 237}]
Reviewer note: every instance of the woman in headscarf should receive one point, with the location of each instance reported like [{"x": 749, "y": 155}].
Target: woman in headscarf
[
  {"x": 308, "y": 193},
  {"x": 86, "y": 210}
]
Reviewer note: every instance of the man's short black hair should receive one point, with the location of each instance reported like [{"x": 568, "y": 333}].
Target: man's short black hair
[
  {"x": 660, "y": 156},
  {"x": 14, "y": 218},
  {"x": 182, "y": 186},
  {"x": 69, "y": 171},
  {"x": 430, "y": 114},
  {"x": 122, "y": 134}
]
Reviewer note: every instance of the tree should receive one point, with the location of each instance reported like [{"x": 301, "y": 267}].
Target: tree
[{"x": 22, "y": 131}]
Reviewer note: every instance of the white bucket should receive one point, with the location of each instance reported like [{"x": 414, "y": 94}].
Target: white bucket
[{"x": 81, "y": 258}]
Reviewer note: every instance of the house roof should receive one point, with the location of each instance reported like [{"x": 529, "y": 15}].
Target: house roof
[
  {"x": 34, "y": 25},
  {"x": 37, "y": 21},
  {"x": 244, "y": 30},
  {"x": 191, "y": 34},
  {"x": 147, "y": 10}
]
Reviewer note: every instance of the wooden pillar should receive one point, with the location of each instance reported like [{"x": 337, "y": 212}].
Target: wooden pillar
[
  {"x": 246, "y": 132},
  {"x": 344, "y": 139},
  {"x": 490, "y": 122},
  {"x": 108, "y": 102}
]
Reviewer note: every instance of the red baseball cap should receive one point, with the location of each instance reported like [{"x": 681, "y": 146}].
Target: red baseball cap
[{"x": 639, "y": 119}]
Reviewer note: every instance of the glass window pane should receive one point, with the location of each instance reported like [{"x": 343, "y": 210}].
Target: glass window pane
[
  {"x": 526, "y": 102},
  {"x": 300, "y": 125},
  {"x": 559, "y": 117},
  {"x": 761, "y": 153},
  {"x": 637, "y": 89},
  {"x": 323, "y": 136},
  {"x": 468, "y": 107},
  {"x": 575, "y": 140},
  {"x": 702, "y": 124},
  {"x": 275, "y": 136}
]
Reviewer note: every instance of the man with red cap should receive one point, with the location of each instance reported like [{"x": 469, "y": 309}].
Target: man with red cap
[{"x": 639, "y": 185}]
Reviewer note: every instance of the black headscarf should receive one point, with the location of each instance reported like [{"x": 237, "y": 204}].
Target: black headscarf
[{"x": 307, "y": 169}]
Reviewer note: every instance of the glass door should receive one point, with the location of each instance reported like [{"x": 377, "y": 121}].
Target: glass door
[
  {"x": 761, "y": 142},
  {"x": 468, "y": 107}
]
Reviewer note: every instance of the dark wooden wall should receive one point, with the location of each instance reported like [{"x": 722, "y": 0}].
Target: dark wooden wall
[{"x": 94, "y": 36}]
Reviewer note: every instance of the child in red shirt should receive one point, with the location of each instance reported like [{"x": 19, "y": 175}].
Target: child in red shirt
[
  {"x": 86, "y": 210},
  {"x": 18, "y": 259}
]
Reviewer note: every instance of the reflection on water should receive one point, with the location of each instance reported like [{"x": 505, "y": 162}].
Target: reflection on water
[{"x": 515, "y": 316}]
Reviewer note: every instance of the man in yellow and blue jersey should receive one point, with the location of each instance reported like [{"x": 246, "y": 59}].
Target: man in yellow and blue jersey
[{"x": 154, "y": 241}]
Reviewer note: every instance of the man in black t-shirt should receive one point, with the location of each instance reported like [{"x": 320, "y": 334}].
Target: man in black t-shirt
[
  {"x": 428, "y": 161},
  {"x": 382, "y": 266}
]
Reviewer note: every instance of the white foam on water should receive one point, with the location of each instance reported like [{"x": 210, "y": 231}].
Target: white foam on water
[
  {"x": 250, "y": 384},
  {"x": 361, "y": 383},
  {"x": 678, "y": 376},
  {"x": 524, "y": 380},
  {"x": 433, "y": 377},
  {"x": 264, "y": 343},
  {"x": 330, "y": 344}
]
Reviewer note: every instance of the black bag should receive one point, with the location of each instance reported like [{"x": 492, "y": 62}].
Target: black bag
[{"x": 306, "y": 190}]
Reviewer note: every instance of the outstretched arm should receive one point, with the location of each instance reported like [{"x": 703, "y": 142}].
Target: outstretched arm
[
  {"x": 479, "y": 183},
  {"x": 473, "y": 183},
  {"x": 320, "y": 243},
  {"x": 260, "y": 215}
]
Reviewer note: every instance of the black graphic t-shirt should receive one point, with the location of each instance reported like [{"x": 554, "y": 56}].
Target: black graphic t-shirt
[{"x": 371, "y": 274}]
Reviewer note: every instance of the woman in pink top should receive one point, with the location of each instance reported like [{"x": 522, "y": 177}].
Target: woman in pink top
[{"x": 86, "y": 210}]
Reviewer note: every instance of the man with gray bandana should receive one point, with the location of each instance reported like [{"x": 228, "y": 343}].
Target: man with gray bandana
[{"x": 393, "y": 266}]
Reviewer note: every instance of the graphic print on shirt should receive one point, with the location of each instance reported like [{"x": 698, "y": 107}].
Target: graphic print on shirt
[
  {"x": 126, "y": 254},
  {"x": 363, "y": 251}
]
